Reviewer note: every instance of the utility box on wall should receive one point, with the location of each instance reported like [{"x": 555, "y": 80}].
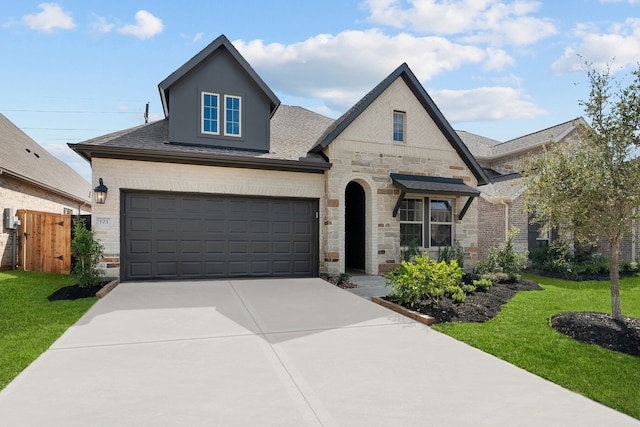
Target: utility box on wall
[{"x": 9, "y": 219}]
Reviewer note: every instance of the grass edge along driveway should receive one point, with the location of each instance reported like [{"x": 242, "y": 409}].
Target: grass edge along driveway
[
  {"x": 29, "y": 322},
  {"x": 522, "y": 335}
]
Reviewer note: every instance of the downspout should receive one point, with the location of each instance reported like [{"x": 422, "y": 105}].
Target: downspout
[
  {"x": 634, "y": 238},
  {"x": 506, "y": 219}
]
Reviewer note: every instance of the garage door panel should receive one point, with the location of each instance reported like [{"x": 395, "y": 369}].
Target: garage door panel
[
  {"x": 214, "y": 225},
  {"x": 238, "y": 247},
  {"x": 164, "y": 225},
  {"x": 191, "y": 225},
  {"x": 215, "y": 247},
  {"x": 281, "y": 227},
  {"x": 166, "y": 247},
  {"x": 165, "y": 204},
  {"x": 188, "y": 247},
  {"x": 140, "y": 247},
  {"x": 173, "y": 236},
  {"x": 141, "y": 224}
]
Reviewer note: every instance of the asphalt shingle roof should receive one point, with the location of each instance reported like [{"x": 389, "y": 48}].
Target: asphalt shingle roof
[
  {"x": 294, "y": 130},
  {"x": 23, "y": 157},
  {"x": 489, "y": 148}
]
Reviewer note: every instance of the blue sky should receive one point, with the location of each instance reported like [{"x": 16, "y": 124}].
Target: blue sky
[{"x": 75, "y": 69}]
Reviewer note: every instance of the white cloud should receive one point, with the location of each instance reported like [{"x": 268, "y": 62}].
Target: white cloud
[
  {"x": 619, "y": 46},
  {"x": 620, "y": 1},
  {"x": 146, "y": 26},
  {"x": 480, "y": 21},
  {"x": 193, "y": 39},
  {"x": 51, "y": 18},
  {"x": 484, "y": 104},
  {"x": 340, "y": 69},
  {"x": 100, "y": 25}
]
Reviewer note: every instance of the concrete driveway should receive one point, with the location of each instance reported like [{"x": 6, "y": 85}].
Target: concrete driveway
[{"x": 295, "y": 352}]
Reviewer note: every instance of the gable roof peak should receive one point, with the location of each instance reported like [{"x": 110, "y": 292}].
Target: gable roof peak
[
  {"x": 221, "y": 42},
  {"x": 412, "y": 82}
]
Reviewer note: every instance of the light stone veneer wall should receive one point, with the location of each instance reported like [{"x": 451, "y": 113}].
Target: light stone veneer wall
[
  {"x": 19, "y": 194},
  {"x": 365, "y": 153},
  {"x": 139, "y": 175}
]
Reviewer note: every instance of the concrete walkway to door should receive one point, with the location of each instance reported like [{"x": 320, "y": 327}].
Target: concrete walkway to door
[{"x": 273, "y": 352}]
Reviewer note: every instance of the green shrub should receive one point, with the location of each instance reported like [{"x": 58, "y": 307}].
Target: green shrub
[
  {"x": 344, "y": 278},
  {"x": 410, "y": 252},
  {"x": 422, "y": 278},
  {"x": 482, "y": 284},
  {"x": 630, "y": 266},
  {"x": 87, "y": 250},
  {"x": 450, "y": 253},
  {"x": 468, "y": 289},
  {"x": 459, "y": 297},
  {"x": 503, "y": 260}
]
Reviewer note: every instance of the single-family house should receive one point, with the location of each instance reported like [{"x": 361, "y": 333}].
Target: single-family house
[
  {"x": 232, "y": 183},
  {"x": 501, "y": 203},
  {"x": 33, "y": 179}
]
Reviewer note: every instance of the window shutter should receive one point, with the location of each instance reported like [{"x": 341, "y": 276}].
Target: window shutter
[{"x": 426, "y": 229}]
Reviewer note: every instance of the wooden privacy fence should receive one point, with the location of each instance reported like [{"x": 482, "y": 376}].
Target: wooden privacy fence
[{"x": 44, "y": 241}]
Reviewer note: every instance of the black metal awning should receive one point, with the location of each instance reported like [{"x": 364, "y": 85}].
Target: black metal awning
[{"x": 433, "y": 185}]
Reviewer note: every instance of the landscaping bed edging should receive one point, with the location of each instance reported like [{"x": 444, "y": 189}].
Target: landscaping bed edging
[{"x": 419, "y": 317}]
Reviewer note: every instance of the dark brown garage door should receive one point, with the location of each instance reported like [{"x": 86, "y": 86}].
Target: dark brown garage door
[{"x": 187, "y": 236}]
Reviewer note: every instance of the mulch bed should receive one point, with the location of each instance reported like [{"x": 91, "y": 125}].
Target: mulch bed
[
  {"x": 334, "y": 280},
  {"x": 600, "y": 329},
  {"x": 478, "y": 307},
  {"x": 592, "y": 328},
  {"x": 74, "y": 292}
]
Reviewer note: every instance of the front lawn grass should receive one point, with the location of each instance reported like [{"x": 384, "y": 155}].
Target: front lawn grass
[
  {"x": 29, "y": 322},
  {"x": 522, "y": 335}
]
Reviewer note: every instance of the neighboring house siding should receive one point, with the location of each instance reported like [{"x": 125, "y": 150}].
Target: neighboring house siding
[
  {"x": 18, "y": 194},
  {"x": 223, "y": 76},
  {"x": 365, "y": 152},
  {"x": 128, "y": 174}
]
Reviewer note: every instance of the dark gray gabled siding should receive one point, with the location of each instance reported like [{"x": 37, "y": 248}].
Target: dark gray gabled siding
[{"x": 220, "y": 74}]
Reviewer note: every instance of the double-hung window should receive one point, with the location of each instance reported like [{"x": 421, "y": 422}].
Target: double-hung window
[
  {"x": 399, "y": 119},
  {"x": 232, "y": 107},
  {"x": 411, "y": 222},
  {"x": 427, "y": 222},
  {"x": 210, "y": 107},
  {"x": 221, "y": 114},
  {"x": 441, "y": 222}
]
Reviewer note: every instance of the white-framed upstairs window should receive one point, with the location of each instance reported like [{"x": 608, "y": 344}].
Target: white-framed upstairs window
[
  {"x": 411, "y": 222},
  {"x": 232, "y": 115},
  {"x": 399, "y": 126},
  {"x": 210, "y": 123},
  {"x": 441, "y": 222}
]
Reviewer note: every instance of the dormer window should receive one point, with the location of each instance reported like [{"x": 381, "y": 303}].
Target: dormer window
[
  {"x": 221, "y": 114},
  {"x": 210, "y": 107},
  {"x": 232, "y": 110},
  {"x": 399, "y": 119}
]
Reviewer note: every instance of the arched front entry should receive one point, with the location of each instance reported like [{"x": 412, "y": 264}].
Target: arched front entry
[{"x": 354, "y": 227}]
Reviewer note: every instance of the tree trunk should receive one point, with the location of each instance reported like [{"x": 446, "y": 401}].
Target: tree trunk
[{"x": 614, "y": 274}]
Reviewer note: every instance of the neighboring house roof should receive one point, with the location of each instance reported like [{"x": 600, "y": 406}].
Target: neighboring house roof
[
  {"x": 25, "y": 159},
  {"x": 294, "y": 130},
  {"x": 486, "y": 148},
  {"x": 220, "y": 43},
  {"x": 423, "y": 97}
]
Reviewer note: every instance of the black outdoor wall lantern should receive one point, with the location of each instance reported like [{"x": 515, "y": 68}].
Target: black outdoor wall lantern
[{"x": 100, "y": 193}]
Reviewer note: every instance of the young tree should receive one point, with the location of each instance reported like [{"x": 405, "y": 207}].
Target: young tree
[
  {"x": 592, "y": 186},
  {"x": 87, "y": 250}
]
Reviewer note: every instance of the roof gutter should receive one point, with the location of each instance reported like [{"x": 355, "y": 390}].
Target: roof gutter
[{"x": 90, "y": 151}]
